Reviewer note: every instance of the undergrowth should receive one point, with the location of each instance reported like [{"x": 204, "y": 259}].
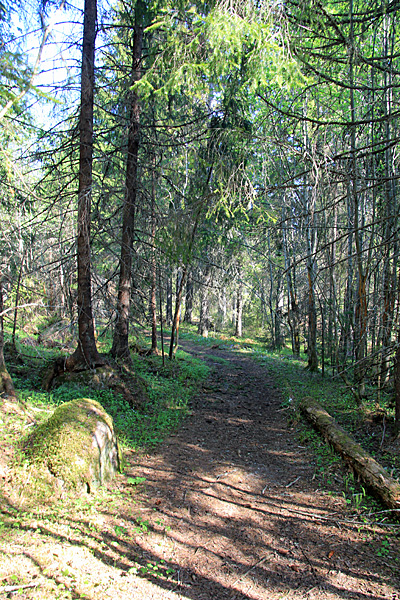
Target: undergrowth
[
  {"x": 170, "y": 388},
  {"x": 296, "y": 382}
]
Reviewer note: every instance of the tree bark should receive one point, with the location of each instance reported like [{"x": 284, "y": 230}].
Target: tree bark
[
  {"x": 120, "y": 347},
  {"x": 153, "y": 301},
  {"x": 6, "y": 383},
  {"x": 371, "y": 472},
  {"x": 239, "y": 312},
  {"x": 188, "y": 318},
  {"x": 86, "y": 354},
  {"x": 168, "y": 303},
  {"x": 175, "y": 324},
  {"x": 293, "y": 309},
  {"x": 204, "y": 320},
  {"x": 396, "y": 376}
]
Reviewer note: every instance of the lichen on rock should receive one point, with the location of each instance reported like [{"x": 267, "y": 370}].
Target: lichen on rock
[{"x": 77, "y": 445}]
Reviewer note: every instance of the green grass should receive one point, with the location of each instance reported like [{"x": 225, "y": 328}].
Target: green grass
[
  {"x": 295, "y": 383},
  {"x": 224, "y": 340},
  {"x": 170, "y": 389}
]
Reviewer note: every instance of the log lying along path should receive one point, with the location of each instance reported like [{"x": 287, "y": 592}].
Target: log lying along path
[
  {"x": 238, "y": 510},
  {"x": 368, "y": 470}
]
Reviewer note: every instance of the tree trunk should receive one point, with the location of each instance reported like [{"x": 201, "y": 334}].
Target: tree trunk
[
  {"x": 312, "y": 322},
  {"x": 293, "y": 309},
  {"x": 396, "y": 375},
  {"x": 86, "y": 354},
  {"x": 371, "y": 472},
  {"x": 188, "y": 318},
  {"x": 239, "y": 312},
  {"x": 161, "y": 319},
  {"x": 17, "y": 302},
  {"x": 311, "y": 234},
  {"x": 175, "y": 324},
  {"x": 360, "y": 330},
  {"x": 120, "y": 347},
  {"x": 204, "y": 321},
  {"x": 153, "y": 313},
  {"x": 168, "y": 307},
  {"x": 222, "y": 306},
  {"x": 6, "y": 384}
]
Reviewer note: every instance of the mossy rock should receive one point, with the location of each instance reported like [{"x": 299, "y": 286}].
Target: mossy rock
[{"x": 76, "y": 446}]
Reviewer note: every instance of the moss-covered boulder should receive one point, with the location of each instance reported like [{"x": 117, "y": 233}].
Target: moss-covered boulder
[{"x": 76, "y": 446}]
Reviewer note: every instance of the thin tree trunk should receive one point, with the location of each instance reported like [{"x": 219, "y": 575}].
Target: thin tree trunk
[
  {"x": 239, "y": 312},
  {"x": 311, "y": 236},
  {"x": 311, "y": 276},
  {"x": 270, "y": 295},
  {"x": 161, "y": 319},
  {"x": 362, "y": 275},
  {"x": 168, "y": 308},
  {"x": 17, "y": 301},
  {"x": 6, "y": 383},
  {"x": 175, "y": 324},
  {"x": 293, "y": 309},
  {"x": 396, "y": 376},
  {"x": 153, "y": 300},
  {"x": 120, "y": 347},
  {"x": 279, "y": 300},
  {"x": 86, "y": 354},
  {"x": 188, "y": 318},
  {"x": 204, "y": 320},
  {"x": 332, "y": 324}
]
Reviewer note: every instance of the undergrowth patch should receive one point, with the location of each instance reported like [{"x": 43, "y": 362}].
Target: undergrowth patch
[
  {"x": 170, "y": 388},
  {"x": 295, "y": 383}
]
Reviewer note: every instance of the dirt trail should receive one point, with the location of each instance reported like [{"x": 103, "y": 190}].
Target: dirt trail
[
  {"x": 229, "y": 510},
  {"x": 243, "y": 516}
]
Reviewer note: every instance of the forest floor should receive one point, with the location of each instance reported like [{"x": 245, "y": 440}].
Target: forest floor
[{"x": 228, "y": 507}]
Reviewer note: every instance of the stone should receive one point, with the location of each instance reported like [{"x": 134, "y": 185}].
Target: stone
[{"x": 77, "y": 446}]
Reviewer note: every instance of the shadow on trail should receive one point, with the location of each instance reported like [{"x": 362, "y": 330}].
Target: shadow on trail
[
  {"x": 228, "y": 511},
  {"x": 234, "y": 526}
]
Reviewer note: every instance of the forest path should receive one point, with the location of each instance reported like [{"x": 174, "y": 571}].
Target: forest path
[
  {"x": 229, "y": 509},
  {"x": 239, "y": 511}
]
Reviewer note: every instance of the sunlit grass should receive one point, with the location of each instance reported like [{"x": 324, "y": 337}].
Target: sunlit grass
[{"x": 170, "y": 388}]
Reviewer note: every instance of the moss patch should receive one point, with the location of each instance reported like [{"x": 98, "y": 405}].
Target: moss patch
[{"x": 76, "y": 445}]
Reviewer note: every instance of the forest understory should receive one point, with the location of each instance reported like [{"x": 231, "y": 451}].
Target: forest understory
[
  {"x": 235, "y": 504},
  {"x": 210, "y": 167}
]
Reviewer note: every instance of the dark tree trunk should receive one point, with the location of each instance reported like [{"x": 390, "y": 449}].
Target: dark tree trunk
[
  {"x": 175, "y": 324},
  {"x": 120, "y": 347},
  {"x": 86, "y": 354},
  {"x": 153, "y": 301},
  {"x": 312, "y": 323},
  {"x": 6, "y": 384},
  {"x": 293, "y": 309},
  {"x": 168, "y": 308},
  {"x": 396, "y": 375},
  {"x": 204, "y": 321},
  {"x": 17, "y": 302},
  {"x": 161, "y": 319},
  {"x": 189, "y": 299}
]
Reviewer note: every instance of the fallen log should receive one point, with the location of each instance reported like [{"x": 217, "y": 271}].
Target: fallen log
[{"x": 370, "y": 472}]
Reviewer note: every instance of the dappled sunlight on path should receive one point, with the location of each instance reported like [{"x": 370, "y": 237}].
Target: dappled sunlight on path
[
  {"x": 240, "y": 510},
  {"x": 227, "y": 508}
]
